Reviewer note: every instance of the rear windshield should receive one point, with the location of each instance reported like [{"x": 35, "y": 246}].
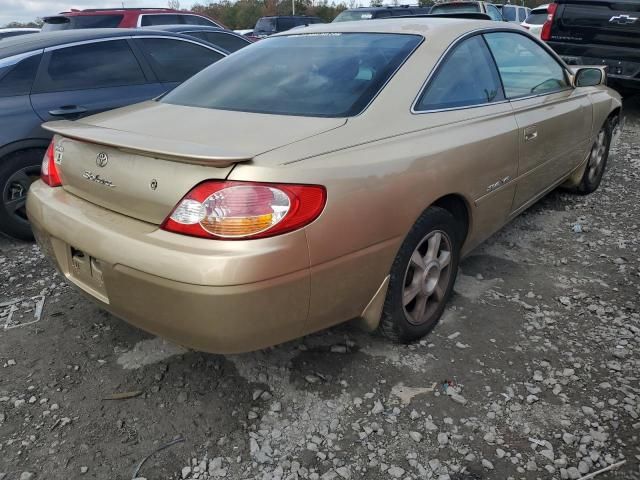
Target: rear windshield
[
  {"x": 509, "y": 13},
  {"x": 317, "y": 75},
  {"x": 456, "y": 8},
  {"x": 81, "y": 21},
  {"x": 266, "y": 25},
  {"x": 536, "y": 18}
]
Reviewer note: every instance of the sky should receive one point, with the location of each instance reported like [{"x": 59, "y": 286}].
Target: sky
[{"x": 28, "y": 10}]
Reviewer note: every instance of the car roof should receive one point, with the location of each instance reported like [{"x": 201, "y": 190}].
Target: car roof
[
  {"x": 27, "y": 43},
  {"x": 102, "y": 11},
  {"x": 187, "y": 28},
  {"x": 19, "y": 29},
  {"x": 424, "y": 26},
  {"x": 388, "y": 7}
]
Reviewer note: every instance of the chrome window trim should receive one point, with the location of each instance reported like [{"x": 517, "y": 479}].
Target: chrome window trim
[
  {"x": 12, "y": 60},
  {"x": 482, "y": 31},
  {"x": 139, "y": 22},
  {"x": 133, "y": 37}
]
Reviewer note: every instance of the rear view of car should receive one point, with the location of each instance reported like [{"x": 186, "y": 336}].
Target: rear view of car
[
  {"x": 604, "y": 32},
  {"x": 372, "y": 13},
  {"x": 535, "y": 20},
  {"x": 468, "y": 7}
]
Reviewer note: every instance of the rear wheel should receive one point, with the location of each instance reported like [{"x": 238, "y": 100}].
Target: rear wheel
[
  {"x": 597, "y": 162},
  {"x": 422, "y": 277},
  {"x": 17, "y": 172}
]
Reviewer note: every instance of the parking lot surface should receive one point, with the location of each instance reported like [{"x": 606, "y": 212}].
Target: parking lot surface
[{"x": 533, "y": 372}]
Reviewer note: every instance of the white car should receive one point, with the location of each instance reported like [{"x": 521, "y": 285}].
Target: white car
[{"x": 535, "y": 20}]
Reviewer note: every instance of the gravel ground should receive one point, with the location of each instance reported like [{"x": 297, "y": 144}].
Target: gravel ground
[{"x": 532, "y": 373}]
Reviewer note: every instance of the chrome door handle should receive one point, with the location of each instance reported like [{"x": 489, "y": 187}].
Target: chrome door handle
[{"x": 529, "y": 136}]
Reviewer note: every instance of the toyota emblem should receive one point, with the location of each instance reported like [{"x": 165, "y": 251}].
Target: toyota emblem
[{"x": 102, "y": 159}]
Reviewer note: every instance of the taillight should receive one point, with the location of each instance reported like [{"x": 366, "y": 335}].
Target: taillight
[
  {"x": 245, "y": 210},
  {"x": 49, "y": 171},
  {"x": 546, "y": 28}
]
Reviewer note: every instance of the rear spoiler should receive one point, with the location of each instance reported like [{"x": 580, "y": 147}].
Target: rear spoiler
[
  {"x": 168, "y": 149},
  {"x": 467, "y": 15}
]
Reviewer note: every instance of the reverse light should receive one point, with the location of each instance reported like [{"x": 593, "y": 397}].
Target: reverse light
[
  {"x": 245, "y": 210},
  {"x": 49, "y": 171},
  {"x": 545, "y": 34}
]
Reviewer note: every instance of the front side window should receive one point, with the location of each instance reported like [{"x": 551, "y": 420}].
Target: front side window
[
  {"x": 94, "y": 65},
  {"x": 525, "y": 67},
  {"x": 467, "y": 77},
  {"x": 321, "y": 75},
  {"x": 176, "y": 60}
]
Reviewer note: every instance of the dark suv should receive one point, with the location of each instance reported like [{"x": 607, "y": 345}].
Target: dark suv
[
  {"x": 266, "y": 26},
  {"x": 603, "y": 32},
  {"x": 370, "y": 13},
  {"x": 124, "y": 18},
  {"x": 67, "y": 75}
]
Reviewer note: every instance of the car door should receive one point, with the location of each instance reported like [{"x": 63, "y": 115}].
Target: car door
[
  {"x": 470, "y": 130},
  {"x": 554, "y": 119},
  {"x": 173, "y": 60},
  {"x": 78, "y": 80}
]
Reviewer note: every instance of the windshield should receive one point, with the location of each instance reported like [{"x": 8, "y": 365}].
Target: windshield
[
  {"x": 266, "y": 25},
  {"x": 81, "y": 21},
  {"x": 318, "y": 75},
  {"x": 351, "y": 15},
  {"x": 456, "y": 8}
]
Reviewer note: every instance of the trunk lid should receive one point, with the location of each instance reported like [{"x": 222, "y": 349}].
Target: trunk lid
[
  {"x": 141, "y": 160},
  {"x": 615, "y": 23}
]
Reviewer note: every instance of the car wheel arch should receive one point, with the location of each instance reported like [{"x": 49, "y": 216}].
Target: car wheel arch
[
  {"x": 21, "y": 145},
  {"x": 459, "y": 207}
]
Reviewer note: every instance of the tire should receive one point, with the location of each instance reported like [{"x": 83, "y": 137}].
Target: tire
[
  {"x": 596, "y": 163},
  {"x": 18, "y": 171},
  {"x": 432, "y": 277}
]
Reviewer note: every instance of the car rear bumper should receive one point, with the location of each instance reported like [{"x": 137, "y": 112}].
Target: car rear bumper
[{"x": 227, "y": 297}]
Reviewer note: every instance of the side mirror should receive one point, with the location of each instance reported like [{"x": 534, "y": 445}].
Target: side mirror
[{"x": 589, "y": 77}]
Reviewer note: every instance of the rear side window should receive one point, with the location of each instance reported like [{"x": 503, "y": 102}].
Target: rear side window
[
  {"x": 198, "y": 20},
  {"x": 509, "y": 13},
  {"x": 94, "y": 65},
  {"x": 17, "y": 79},
  {"x": 176, "y": 60},
  {"x": 164, "y": 19},
  {"x": 230, "y": 43},
  {"x": 525, "y": 67},
  {"x": 334, "y": 75},
  {"x": 467, "y": 77}
]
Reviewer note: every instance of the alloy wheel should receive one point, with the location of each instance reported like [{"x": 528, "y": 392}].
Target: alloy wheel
[
  {"x": 596, "y": 158},
  {"x": 427, "y": 277},
  {"x": 14, "y": 195}
]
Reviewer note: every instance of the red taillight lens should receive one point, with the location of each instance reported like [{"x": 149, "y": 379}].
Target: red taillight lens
[
  {"x": 49, "y": 171},
  {"x": 545, "y": 34},
  {"x": 245, "y": 210}
]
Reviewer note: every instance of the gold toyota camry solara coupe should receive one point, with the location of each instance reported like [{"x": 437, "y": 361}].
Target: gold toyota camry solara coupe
[{"x": 329, "y": 173}]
